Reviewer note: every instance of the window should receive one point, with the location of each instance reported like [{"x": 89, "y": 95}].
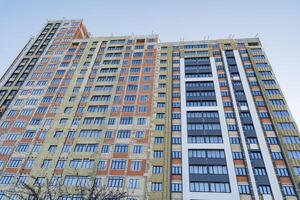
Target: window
[
  {"x": 200, "y": 153},
  {"x": 144, "y": 98},
  {"x": 282, "y": 171},
  {"x": 121, "y": 148},
  {"x": 123, "y": 134},
  {"x": 277, "y": 155},
  {"x": 277, "y": 102},
  {"x": 157, "y": 169},
  {"x": 206, "y": 126},
  {"x": 143, "y": 108},
  {"x": 176, "y": 140},
  {"x": 105, "y": 148},
  {"x": 176, "y": 154},
  {"x": 291, "y": 140},
  {"x": 12, "y": 113},
  {"x": 244, "y": 189},
  {"x": 264, "y": 189},
  {"x": 176, "y": 127},
  {"x": 39, "y": 181},
  {"x": 156, "y": 186},
  {"x": 286, "y": 126},
  {"x": 82, "y": 181},
  {"x": 66, "y": 148},
  {"x": 128, "y": 109},
  {"x": 115, "y": 182},
  {"x": 139, "y": 134},
  {"x": 158, "y": 140},
  {"x": 14, "y": 136},
  {"x": 126, "y": 120},
  {"x": 205, "y": 169},
  {"x": 136, "y": 165},
  {"x": 22, "y": 179},
  {"x": 176, "y": 187},
  {"x": 133, "y": 183},
  {"x": 52, "y": 148},
  {"x": 205, "y": 139},
  {"x": 130, "y": 98},
  {"x": 4, "y": 150},
  {"x": 294, "y": 154},
  {"x": 273, "y": 92},
  {"x": 252, "y": 140},
  {"x": 86, "y": 148},
  {"x": 255, "y": 155},
  {"x": 141, "y": 121},
  {"x": 288, "y": 190},
  {"x": 232, "y": 127},
  {"x": 229, "y": 115},
  {"x": 14, "y": 162},
  {"x": 241, "y": 171},
  {"x": 60, "y": 164},
  {"x": 6, "y": 179},
  {"x": 58, "y": 134},
  {"x": 209, "y": 187},
  {"x": 176, "y": 170},
  {"x": 46, "y": 163},
  {"x": 259, "y": 171},
  {"x": 160, "y": 105},
  {"x": 158, "y": 154},
  {"x": 160, "y": 127},
  {"x": 22, "y": 147},
  {"x": 55, "y": 180},
  {"x": 237, "y": 155},
  {"x": 268, "y": 127},
  {"x": 272, "y": 140},
  {"x": 281, "y": 113},
  {"x": 71, "y": 134},
  {"x": 102, "y": 164},
  {"x": 82, "y": 163},
  {"x": 137, "y": 149},
  {"x": 29, "y": 164},
  {"x": 234, "y": 140},
  {"x": 29, "y": 134},
  {"x": 22, "y": 124}
]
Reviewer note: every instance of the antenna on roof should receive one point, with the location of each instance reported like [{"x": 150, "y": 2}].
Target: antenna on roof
[
  {"x": 64, "y": 18},
  {"x": 132, "y": 33},
  {"x": 111, "y": 34},
  {"x": 256, "y": 35}
]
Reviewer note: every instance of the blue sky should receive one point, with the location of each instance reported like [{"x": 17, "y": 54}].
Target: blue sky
[{"x": 276, "y": 22}]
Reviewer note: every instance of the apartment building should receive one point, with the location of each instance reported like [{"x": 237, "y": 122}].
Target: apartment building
[{"x": 176, "y": 120}]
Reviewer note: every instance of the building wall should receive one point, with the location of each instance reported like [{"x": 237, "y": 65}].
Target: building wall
[{"x": 183, "y": 120}]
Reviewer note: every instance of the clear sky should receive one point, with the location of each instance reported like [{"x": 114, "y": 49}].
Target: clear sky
[{"x": 277, "y": 22}]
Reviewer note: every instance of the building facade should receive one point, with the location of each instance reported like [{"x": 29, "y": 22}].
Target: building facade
[{"x": 181, "y": 120}]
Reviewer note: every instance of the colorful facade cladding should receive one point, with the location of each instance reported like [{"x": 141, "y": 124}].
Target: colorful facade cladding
[{"x": 182, "y": 120}]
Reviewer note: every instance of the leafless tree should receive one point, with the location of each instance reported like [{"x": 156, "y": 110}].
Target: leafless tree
[{"x": 50, "y": 191}]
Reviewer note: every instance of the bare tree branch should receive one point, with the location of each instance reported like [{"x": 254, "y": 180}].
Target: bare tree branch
[{"x": 39, "y": 191}]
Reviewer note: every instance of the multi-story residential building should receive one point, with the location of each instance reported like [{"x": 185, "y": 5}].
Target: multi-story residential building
[{"x": 184, "y": 120}]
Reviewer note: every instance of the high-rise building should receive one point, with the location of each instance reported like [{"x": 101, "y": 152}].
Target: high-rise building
[{"x": 181, "y": 120}]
